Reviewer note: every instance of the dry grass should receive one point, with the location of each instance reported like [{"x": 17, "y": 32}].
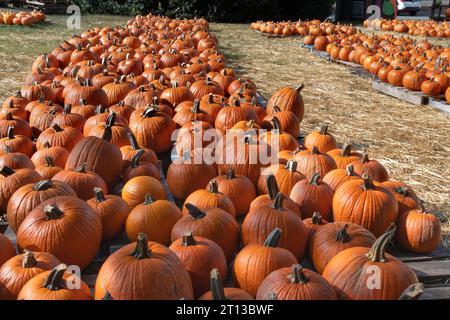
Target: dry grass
[{"x": 413, "y": 142}]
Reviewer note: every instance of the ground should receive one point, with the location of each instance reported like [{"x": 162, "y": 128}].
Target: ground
[{"x": 413, "y": 142}]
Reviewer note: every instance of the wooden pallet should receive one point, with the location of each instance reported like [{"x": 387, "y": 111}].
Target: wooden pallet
[
  {"x": 270, "y": 35},
  {"x": 416, "y": 98}
]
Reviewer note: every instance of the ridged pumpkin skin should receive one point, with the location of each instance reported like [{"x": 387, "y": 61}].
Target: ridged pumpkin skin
[
  {"x": 256, "y": 261},
  {"x": 135, "y": 190},
  {"x": 208, "y": 198},
  {"x": 418, "y": 231},
  {"x": 348, "y": 271},
  {"x": 314, "y": 224},
  {"x": 335, "y": 237},
  {"x": 214, "y": 224},
  {"x": 365, "y": 203},
  {"x": 12, "y": 180},
  {"x": 52, "y": 285},
  {"x": 59, "y": 154},
  {"x": 112, "y": 211},
  {"x": 312, "y": 161},
  {"x": 321, "y": 139},
  {"x": 199, "y": 256},
  {"x": 405, "y": 196},
  {"x": 262, "y": 219},
  {"x": 143, "y": 270},
  {"x": 155, "y": 218},
  {"x": 288, "y": 99},
  {"x": 295, "y": 283},
  {"x": 7, "y": 249},
  {"x": 343, "y": 157},
  {"x": 65, "y": 227},
  {"x": 372, "y": 167},
  {"x": 337, "y": 177},
  {"x": 313, "y": 196},
  {"x": 16, "y": 272},
  {"x": 57, "y": 136},
  {"x": 285, "y": 175},
  {"x": 25, "y": 199}
]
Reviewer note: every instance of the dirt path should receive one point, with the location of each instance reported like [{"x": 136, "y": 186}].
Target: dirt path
[{"x": 413, "y": 142}]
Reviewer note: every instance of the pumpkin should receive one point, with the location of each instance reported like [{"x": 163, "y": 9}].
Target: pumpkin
[
  {"x": 17, "y": 271},
  {"x": 7, "y": 249},
  {"x": 337, "y": 177},
  {"x": 122, "y": 109},
  {"x": 153, "y": 129},
  {"x": 129, "y": 151},
  {"x": 17, "y": 143},
  {"x": 185, "y": 175},
  {"x": 101, "y": 116},
  {"x": 214, "y": 224},
  {"x": 141, "y": 97},
  {"x": 112, "y": 211},
  {"x": 355, "y": 266},
  {"x": 218, "y": 292},
  {"x": 320, "y": 139},
  {"x": 64, "y": 226},
  {"x": 12, "y": 181},
  {"x": 286, "y": 176},
  {"x": 418, "y": 230},
  {"x": 155, "y": 218},
  {"x": 295, "y": 283},
  {"x": 405, "y": 196},
  {"x": 14, "y": 110},
  {"x": 239, "y": 189},
  {"x": 210, "y": 197},
  {"x": 288, "y": 121},
  {"x": 277, "y": 138},
  {"x": 312, "y": 196},
  {"x": 42, "y": 120},
  {"x": 35, "y": 91},
  {"x": 67, "y": 137},
  {"x": 161, "y": 274},
  {"x": 344, "y": 156},
  {"x": 173, "y": 96},
  {"x": 202, "y": 88},
  {"x": 262, "y": 219},
  {"x": 413, "y": 80},
  {"x": 118, "y": 131},
  {"x": 313, "y": 161},
  {"x": 116, "y": 91},
  {"x": 21, "y": 127},
  {"x": 313, "y": 224},
  {"x": 69, "y": 119},
  {"x": 199, "y": 255},
  {"x": 53, "y": 285},
  {"x": 15, "y": 160},
  {"x": 228, "y": 116},
  {"x": 26, "y": 198},
  {"x": 375, "y": 169},
  {"x": 136, "y": 189},
  {"x": 99, "y": 156},
  {"x": 335, "y": 237},
  {"x": 140, "y": 168},
  {"x": 57, "y": 153},
  {"x": 186, "y": 115},
  {"x": 366, "y": 203},
  {"x": 256, "y": 261},
  {"x": 90, "y": 94},
  {"x": 288, "y": 99}
]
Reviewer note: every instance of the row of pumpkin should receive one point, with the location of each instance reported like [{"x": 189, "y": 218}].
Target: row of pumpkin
[
  {"x": 125, "y": 90},
  {"x": 22, "y": 18},
  {"x": 422, "y": 28}
]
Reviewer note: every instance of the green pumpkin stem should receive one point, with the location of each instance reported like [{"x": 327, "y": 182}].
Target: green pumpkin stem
[
  {"x": 378, "y": 251},
  {"x": 107, "y": 133},
  {"x": 217, "y": 290},
  {"x": 368, "y": 182},
  {"x": 188, "y": 240},
  {"x": 346, "y": 150},
  {"x": 342, "y": 235},
  {"x": 28, "y": 260},
  {"x": 272, "y": 186},
  {"x": 273, "y": 238},
  {"x": 67, "y": 108},
  {"x": 195, "y": 212},
  {"x": 107, "y": 296},
  {"x": 10, "y": 133},
  {"x": 55, "y": 279},
  {"x": 42, "y": 185},
  {"x": 6, "y": 171},
  {"x": 133, "y": 142},
  {"x": 317, "y": 219},
  {"x": 230, "y": 174},
  {"x": 111, "y": 119},
  {"x": 141, "y": 251},
  {"x": 136, "y": 158},
  {"x": 350, "y": 170},
  {"x": 213, "y": 186},
  {"x": 298, "y": 275},
  {"x": 99, "y": 194},
  {"x": 148, "y": 199},
  {"x": 291, "y": 166},
  {"x": 150, "y": 112},
  {"x": 315, "y": 179},
  {"x": 278, "y": 202}
]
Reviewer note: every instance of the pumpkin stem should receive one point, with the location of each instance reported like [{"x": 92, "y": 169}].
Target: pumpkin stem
[
  {"x": 346, "y": 150},
  {"x": 276, "y": 109},
  {"x": 111, "y": 119},
  {"x": 107, "y": 133},
  {"x": 273, "y": 238},
  {"x": 298, "y": 275},
  {"x": 55, "y": 279},
  {"x": 300, "y": 87},
  {"x": 133, "y": 142},
  {"x": 148, "y": 199},
  {"x": 421, "y": 205},
  {"x": 342, "y": 235},
  {"x": 368, "y": 182},
  {"x": 210, "y": 98},
  {"x": 10, "y": 133},
  {"x": 196, "y": 106},
  {"x": 276, "y": 124},
  {"x": 378, "y": 251},
  {"x": 9, "y": 116},
  {"x": 42, "y": 185},
  {"x": 49, "y": 161},
  {"x": 230, "y": 174},
  {"x": 314, "y": 181},
  {"x": 317, "y": 218},
  {"x": 107, "y": 296},
  {"x": 28, "y": 261},
  {"x": 99, "y": 194},
  {"x": 365, "y": 158},
  {"x": 315, "y": 150},
  {"x": 212, "y": 186},
  {"x": 150, "y": 112},
  {"x": 188, "y": 239},
  {"x": 57, "y": 128},
  {"x": 99, "y": 109},
  {"x": 291, "y": 166},
  {"x": 7, "y": 149},
  {"x": 6, "y": 171},
  {"x": 324, "y": 130},
  {"x": 217, "y": 291},
  {"x": 67, "y": 108},
  {"x": 350, "y": 170},
  {"x": 195, "y": 212},
  {"x": 141, "y": 251},
  {"x": 272, "y": 296},
  {"x": 53, "y": 212},
  {"x": 272, "y": 186},
  {"x": 82, "y": 168},
  {"x": 278, "y": 202},
  {"x": 136, "y": 158}
]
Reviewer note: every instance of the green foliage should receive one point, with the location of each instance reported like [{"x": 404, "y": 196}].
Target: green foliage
[{"x": 214, "y": 10}]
